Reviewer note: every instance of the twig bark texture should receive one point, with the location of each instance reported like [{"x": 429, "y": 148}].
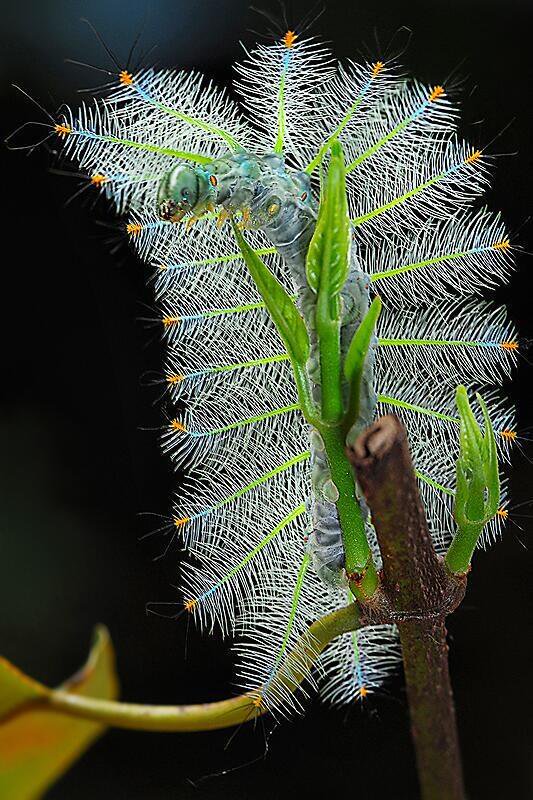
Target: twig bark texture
[{"x": 417, "y": 594}]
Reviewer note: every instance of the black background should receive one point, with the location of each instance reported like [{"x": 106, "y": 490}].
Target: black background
[{"x": 76, "y": 468}]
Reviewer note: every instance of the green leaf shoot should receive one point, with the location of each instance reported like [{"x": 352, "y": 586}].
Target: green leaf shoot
[{"x": 477, "y": 495}]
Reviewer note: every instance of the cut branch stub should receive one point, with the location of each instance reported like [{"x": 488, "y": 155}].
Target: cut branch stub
[{"x": 415, "y": 579}]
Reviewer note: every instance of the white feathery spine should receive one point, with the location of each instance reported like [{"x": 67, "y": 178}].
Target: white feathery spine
[{"x": 427, "y": 247}]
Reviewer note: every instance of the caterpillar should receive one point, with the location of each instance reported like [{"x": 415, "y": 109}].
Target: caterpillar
[
  {"x": 281, "y": 204},
  {"x": 257, "y": 511}
]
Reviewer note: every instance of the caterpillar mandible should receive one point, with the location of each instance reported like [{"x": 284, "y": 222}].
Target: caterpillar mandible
[{"x": 258, "y": 512}]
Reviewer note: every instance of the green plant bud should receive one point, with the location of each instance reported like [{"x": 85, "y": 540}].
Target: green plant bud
[{"x": 477, "y": 495}]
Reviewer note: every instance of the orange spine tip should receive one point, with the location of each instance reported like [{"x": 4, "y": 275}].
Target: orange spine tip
[
  {"x": 510, "y": 345},
  {"x": 133, "y": 228},
  {"x": 473, "y": 157},
  {"x": 376, "y": 68},
  {"x": 179, "y": 523},
  {"x": 98, "y": 179},
  {"x": 505, "y": 244},
  {"x": 436, "y": 92},
  {"x": 509, "y": 435},
  {"x": 190, "y": 605},
  {"x": 503, "y": 513},
  {"x": 176, "y": 425},
  {"x": 289, "y": 39},
  {"x": 62, "y": 129},
  {"x": 168, "y": 321},
  {"x": 125, "y": 77},
  {"x": 174, "y": 378},
  {"x": 362, "y": 693},
  {"x": 257, "y": 701}
]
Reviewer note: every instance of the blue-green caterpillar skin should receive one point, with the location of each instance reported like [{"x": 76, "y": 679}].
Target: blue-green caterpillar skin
[
  {"x": 275, "y": 200},
  {"x": 280, "y": 202}
]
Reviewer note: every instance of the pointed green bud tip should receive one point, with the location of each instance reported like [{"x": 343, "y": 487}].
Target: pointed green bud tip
[
  {"x": 327, "y": 262},
  {"x": 478, "y": 483},
  {"x": 477, "y": 495},
  {"x": 336, "y": 149}
]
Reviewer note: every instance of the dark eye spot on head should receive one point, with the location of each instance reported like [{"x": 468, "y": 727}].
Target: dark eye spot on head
[{"x": 167, "y": 209}]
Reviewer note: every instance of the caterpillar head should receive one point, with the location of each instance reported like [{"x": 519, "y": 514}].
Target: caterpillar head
[{"x": 184, "y": 190}]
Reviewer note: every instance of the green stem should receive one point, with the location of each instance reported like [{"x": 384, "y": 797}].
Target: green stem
[
  {"x": 359, "y": 561},
  {"x": 462, "y": 548},
  {"x": 477, "y": 495},
  {"x": 207, "y": 716},
  {"x": 328, "y": 331}
]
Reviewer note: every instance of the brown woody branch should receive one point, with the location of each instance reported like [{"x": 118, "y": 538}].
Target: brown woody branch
[{"x": 418, "y": 593}]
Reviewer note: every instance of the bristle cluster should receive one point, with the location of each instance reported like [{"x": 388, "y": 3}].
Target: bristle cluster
[{"x": 233, "y": 422}]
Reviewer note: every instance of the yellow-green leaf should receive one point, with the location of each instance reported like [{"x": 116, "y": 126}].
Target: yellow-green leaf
[
  {"x": 327, "y": 263},
  {"x": 355, "y": 360},
  {"x": 38, "y": 745},
  {"x": 357, "y": 352},
  {"x": 17, "y": 689},
  {"x": 287, "y": 319},
  {"x": 279, "y": 303}
]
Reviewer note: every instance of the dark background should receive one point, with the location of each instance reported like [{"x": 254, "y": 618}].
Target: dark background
[{"x": 76, "y": 468}]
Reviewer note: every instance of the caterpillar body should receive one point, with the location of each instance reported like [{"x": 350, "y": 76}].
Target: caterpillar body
[
  {"x": 281, "y": 204},
  {"x": 257, "y": 513}
]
